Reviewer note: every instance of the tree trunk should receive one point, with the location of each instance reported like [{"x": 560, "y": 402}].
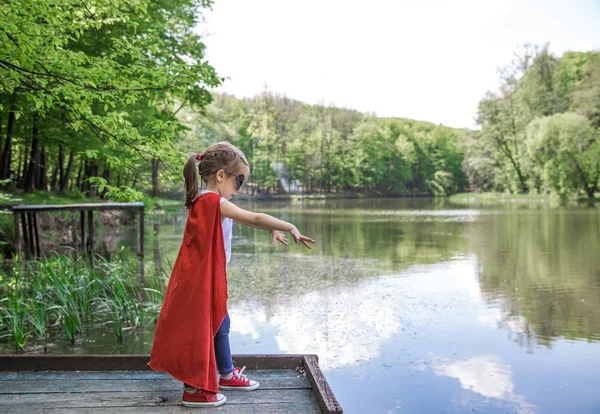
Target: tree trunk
[
  {"x": 22, "y": 166},
  {"x": 78, "y": 183},
  {"x": 108, "y": 177},
  {"x": 7, "y": 151},
  {"x": 92, "y": 171},
  {"x": 54, "y": 178},
  {"x": 61, "y": 161},
  {"x": 34, "y": 160},
  {"x": 65, "y": 179},
  {"x": 155, "y": 178},
  {"x": 42, "y": 179}
]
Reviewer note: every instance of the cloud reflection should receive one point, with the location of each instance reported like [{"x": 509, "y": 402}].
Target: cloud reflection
[
  {"x": 486, "y": 375},
  {"x": 347, "y": 325}
]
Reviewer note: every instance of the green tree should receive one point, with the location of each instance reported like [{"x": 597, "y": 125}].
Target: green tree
[{"x": 567, "y": 150}]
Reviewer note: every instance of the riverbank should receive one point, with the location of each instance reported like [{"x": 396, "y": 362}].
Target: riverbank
[
  {"x": 502, "y": 198},
  {"x": 171, "y": 203}
]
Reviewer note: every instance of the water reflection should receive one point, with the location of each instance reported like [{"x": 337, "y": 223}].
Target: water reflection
[
  {"x": 486, "y": 375},
  {"x": 544, "y": 268},
  {"x": 537, "y": 269}
]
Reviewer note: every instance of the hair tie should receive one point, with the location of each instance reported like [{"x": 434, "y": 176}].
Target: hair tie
[{"x": 199, "y": 157}]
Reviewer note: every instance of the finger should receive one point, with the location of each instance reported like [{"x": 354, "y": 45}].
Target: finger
[
  {"x": 273, "y": 240},
  {"x": 306, "y": 244},
  {"x": 308, "y": 239}
]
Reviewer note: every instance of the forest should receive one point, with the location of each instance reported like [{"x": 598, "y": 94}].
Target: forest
[{"x": 103, "y": 100}]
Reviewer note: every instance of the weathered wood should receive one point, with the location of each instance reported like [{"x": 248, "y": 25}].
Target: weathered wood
[
  {"x": 37, "y": 236},
  {"x": 121, "y": 384},
  {"x": 90, "y": 219},
  {"x": 110, "y": 382},
  {"x": 228, "y": 408},
  {"x": 287, "y": 375},
  {"x": 147, "y": 398},
  {"x": 323, "y": 392},
  {"x": 17, "y": 235},
  {"x": 140, "y": 246},
  {"x": 254, "y": 362},
  {"x": 74, "y": 234},
  {"x": 30, "y": 234},
  {"x": 79, "y": 207},
  {"x": 25, "y": 240},
  {"x": 82, "y": 227},
  {"x": 25, "y": 362}
]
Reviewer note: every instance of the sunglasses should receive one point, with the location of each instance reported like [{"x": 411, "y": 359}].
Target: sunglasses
[{"x": 239, "y": 179}]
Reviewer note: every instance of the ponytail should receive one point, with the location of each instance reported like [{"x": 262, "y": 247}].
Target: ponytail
[{"x": 190, "y": 179}]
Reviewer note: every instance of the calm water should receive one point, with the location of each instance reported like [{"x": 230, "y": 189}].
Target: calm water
[{"x": 418, "y": 305}]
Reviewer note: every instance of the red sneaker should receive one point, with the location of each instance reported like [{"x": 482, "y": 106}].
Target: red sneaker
[
  {"x": 238, "y": 381},
  {"x": 195, "y": 397}
]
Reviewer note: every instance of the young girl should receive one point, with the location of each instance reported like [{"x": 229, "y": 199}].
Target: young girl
[{"x": 191, "y": 341}]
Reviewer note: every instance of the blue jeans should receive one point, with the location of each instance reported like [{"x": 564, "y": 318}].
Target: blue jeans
[{"x": 222, "y": 348}]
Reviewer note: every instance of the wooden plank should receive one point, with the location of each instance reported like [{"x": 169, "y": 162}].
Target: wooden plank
[
  {"x": 86, "y": 385},
  {"x": 25, "y": 362},
  {"x": 82, "y": 227},
  {"x": 17, "y": 236},
  {"x": 30, "y": 236},
  {"x": 126, "y": 375},
  {"x": 323, "y": 392},
  {"x": 78, "y": 207},
  {"x": 147, "y": 399},
  {"x": 37, "y": 237},
  {"x": 90, "y": 246},
  {"x": 74, "y": 234},
  {"x": 228, "y": 408},
  {"x": 274, "y": 361},
  {"x": 140, "y": 246},
  {"x": 25, "y": 240}
]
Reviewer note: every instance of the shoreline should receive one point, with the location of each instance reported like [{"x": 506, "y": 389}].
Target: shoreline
[{"x": 162, "y": 202}]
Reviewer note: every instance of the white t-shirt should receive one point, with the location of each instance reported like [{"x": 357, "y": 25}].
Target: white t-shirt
[{"x": 227, "y": 225}]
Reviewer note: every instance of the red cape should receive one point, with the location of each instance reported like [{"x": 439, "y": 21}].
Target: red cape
[{"x": 195, "y": 303}]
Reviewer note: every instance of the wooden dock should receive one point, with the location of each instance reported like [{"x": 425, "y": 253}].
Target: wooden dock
[{"x": 125, "y": 384}]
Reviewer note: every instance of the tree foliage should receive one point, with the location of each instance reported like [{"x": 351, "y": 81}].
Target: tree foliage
[
  {"x": 293, "y": 146},
  {"x": 539, "y": 133},
  {"x": 97, "y": 80}
]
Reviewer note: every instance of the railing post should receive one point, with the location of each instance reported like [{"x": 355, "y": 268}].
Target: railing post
[
  {"x": 82, "y": 223},
  {"x": 140, "y": 245},
  {"x": 74, "y": 234},
  {"x": 17, "y": 236},
  {"x": 91, "y": 237}
]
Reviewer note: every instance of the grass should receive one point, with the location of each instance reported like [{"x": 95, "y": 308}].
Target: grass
[{"x": 66, "y": 292}]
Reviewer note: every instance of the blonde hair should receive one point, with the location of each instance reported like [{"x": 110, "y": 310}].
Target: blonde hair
[{"x": 221, "y": 155}]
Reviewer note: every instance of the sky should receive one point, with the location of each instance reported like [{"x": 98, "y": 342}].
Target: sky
[{"x": 429, "y": 60}]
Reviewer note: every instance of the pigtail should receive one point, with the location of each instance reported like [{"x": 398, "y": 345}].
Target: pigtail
[{"x": 190, "y": 179}]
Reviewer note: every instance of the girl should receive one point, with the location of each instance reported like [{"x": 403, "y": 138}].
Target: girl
[{"x": 191, "y": 341}]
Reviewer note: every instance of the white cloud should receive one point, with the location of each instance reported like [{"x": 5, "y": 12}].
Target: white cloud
[{"x": 431, "y": 60}]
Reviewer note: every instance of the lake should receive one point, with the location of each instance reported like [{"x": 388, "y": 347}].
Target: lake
[{"x": 416, "y": 305}]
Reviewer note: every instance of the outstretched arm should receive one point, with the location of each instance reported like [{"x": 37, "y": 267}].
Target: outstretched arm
[{"x": 263, "y": 221}]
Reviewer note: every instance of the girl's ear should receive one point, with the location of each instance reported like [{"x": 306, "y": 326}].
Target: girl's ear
[{"x": 220, "y": 175}]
